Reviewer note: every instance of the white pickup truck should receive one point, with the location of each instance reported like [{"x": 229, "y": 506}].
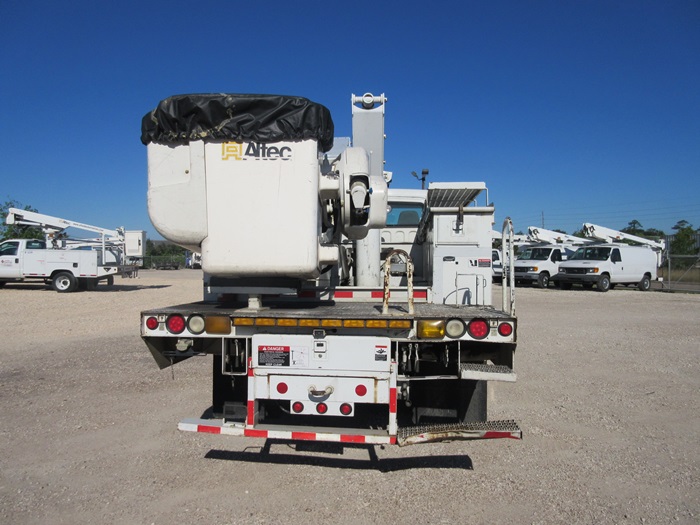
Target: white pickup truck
[{"x": 66, "y": 270}]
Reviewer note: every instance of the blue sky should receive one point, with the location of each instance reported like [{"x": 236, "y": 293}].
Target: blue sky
[{"x": 569, "y": 110}]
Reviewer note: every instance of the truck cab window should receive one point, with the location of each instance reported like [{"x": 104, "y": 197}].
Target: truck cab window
[
  {"x": 404, "y": 214},
  {"x": 9, "y": 248}
]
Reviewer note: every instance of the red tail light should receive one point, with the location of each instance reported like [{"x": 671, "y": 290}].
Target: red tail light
[
  {"x": 282, "y": 388},
  {"x": 297, "y": 407},
  {"x": 151, "y": 323},
  {"x": 346, "y": 409},
  {"x": 478, "y": 328},
  {"x": 361, "y": 390},
  {"x": 321, "y": 408},
  {"x": 505, "y": 329},
  {"x": 175, "y": 324}
]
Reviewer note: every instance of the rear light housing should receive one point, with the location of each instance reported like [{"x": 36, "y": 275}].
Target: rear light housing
[
  {"x": 196, "y": 324},
  {"x": 297, "y": 407},
  {"x": 455, "y": 328},
  {"x": 175, "y": 324},
  {"x": 431, "y": 329},
  {"x": 478, "y": 328},
  {"x": 505, "y": 329},
  {"x": 152, "y": 323},
  {"x": 346, "y": 409},
  {"x": 321, "y": 408}
]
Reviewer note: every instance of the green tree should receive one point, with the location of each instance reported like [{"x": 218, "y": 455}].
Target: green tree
[
  {"x": 163, "y": 248},
  {"x": 634, "y": 227},
  {"x": 579, "y": 233},
  {"x": 684, "y": 239},
  {"x": 17, "y": 231},
  {"x": 653, "y": 233}
]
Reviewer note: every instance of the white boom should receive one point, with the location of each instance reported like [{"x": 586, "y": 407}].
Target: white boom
[
  {"x": 53, "y": 225},
  {"x": 609, "y": 235},
  {"x": 123, "y": 243},
  {"x": 536, "y": 234}
]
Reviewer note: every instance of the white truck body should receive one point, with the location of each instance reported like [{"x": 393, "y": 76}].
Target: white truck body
[{"x": 328, "y": 316}]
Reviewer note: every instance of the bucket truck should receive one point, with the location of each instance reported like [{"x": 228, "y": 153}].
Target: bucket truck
[
  {"x": 68, "y": 263},
  {"x": 335, "y": 309}
]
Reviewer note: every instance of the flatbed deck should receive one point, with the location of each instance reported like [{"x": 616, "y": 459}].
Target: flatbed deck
[{"x": 336, "y": 310}]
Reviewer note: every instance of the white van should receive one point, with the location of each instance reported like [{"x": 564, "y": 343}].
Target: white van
[
  {"x": 537, "y": 264},
  {"x": 606, "y": 265}
]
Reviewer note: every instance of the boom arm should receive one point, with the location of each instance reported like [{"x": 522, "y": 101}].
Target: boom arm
[
  {"x": 49, "y": 224},
  {"x": 553, "y": 237},
  {"x": 610, "y": 235}
]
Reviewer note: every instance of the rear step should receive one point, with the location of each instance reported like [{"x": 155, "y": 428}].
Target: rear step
[
  {"x": 473, "y": 430},
  {"x": 482, "y": 372}
]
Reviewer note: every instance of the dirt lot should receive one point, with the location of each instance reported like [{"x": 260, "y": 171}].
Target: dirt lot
[{"x": 608, "y": 397}]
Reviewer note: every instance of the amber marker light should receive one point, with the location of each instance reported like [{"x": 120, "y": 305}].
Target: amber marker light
[
  {"x": 217, "y": 324},
  {"x": 431, "y": 329}
]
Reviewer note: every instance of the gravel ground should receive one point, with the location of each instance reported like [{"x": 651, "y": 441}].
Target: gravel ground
[{"x": 607, "y": 396}]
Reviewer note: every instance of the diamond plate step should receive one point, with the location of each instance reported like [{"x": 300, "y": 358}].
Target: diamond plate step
[
  {"x": 473, "y": 430},
  {"x": 482, "y": 372}
]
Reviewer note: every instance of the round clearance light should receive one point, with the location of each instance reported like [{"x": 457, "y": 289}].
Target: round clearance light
[
  {"x": 478, "y": 328},
  {"x": 195, "y": 324},
  {"x": 282, "y": 388},
  {"x": 297, "y": 407},
  {"x": 361, "y": 390},
  {"x": 505, "y": 329},
  {"x": 321, "y": 408},
  {"x": 346, "y": 409},
  {"x": 455, "y": 328},
  {"x": 175, "y": 324},
  {"x": 151, "y": 323}
]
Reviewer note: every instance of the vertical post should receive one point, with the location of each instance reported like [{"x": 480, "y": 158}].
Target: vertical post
[{"x": 368, "y": 133}]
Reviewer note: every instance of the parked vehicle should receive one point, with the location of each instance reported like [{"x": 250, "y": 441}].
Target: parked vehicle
[
  {"x": 537, "y": 264},
  {"x": 193, "y": 260},
  {"x": 496, "y": 266},
  {"x": 68, "y": 263},
  {"x": 607, "y": 265}
]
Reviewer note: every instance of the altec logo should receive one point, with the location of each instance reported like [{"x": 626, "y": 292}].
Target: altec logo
[{"x": 254, "y": 151}]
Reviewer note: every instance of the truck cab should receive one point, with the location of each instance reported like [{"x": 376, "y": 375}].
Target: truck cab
[{"x": 10, "y": 256}]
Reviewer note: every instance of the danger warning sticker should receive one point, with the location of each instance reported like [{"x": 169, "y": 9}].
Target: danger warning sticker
[
  {"x": 380, "y": 353},
  {"x": 484, "y": 263},
  {"x": 273, "y": 355}
]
